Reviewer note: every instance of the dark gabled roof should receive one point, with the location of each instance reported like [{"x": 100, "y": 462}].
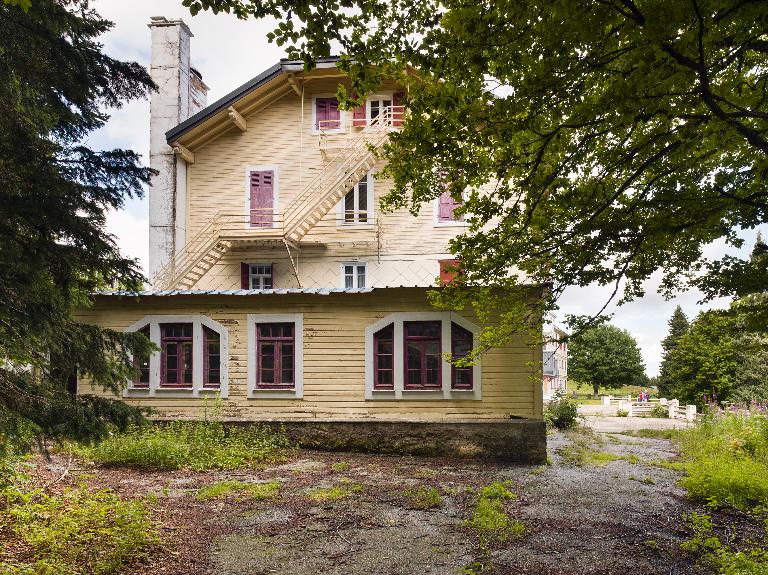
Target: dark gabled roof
[{"x": 236, "y": 94}]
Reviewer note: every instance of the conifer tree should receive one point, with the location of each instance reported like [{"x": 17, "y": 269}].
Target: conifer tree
[
  {"x": 678, "y": 326},
  {"x": 54, "y": 194}
]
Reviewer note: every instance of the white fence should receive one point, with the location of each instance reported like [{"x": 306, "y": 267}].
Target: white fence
[{"x": 636, "y": 408}]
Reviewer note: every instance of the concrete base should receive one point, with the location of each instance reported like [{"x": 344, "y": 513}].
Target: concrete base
[{"x": 514, "y": 440}]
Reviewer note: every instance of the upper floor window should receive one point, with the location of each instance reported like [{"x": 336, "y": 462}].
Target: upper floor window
[
  {"x": 353, "y": 274},
  {"x": 446, "y": 208},
  {"x": 327, "y": 114},
  {"x": 379, "y": 104},
  {"x": 356, "y": 202},
  {"x": 192, "y": 357},
  {"x": 256, "y": 276}
]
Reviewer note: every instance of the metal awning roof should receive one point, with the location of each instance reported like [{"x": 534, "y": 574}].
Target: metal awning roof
[{"x": 285, "y": 291}]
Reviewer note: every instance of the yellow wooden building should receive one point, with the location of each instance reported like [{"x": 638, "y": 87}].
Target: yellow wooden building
[{"x": 279, "y": 286}]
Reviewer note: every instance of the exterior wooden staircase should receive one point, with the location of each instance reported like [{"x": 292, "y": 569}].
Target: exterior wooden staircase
[{"x": 338, "y": 176}]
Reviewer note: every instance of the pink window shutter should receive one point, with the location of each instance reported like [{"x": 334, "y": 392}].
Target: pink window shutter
[
  {"x": 245, "y": 276},
  {"x": 446, "y": 207},
  {"x": 262, "y": 186}
]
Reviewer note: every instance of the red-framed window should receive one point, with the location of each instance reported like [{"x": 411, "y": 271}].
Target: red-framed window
[
  {"x": 327, "y": 114},
  {"x": 384, "y": 358},
  {"x": 211, "y": 358},
  {"x": 275, "y": 355},
  {"x": 461, "y": 345},
  {"x": 422, "y": 354},
  {"x": 141, "y": 380},
  {"x": 176, "y": 354}
]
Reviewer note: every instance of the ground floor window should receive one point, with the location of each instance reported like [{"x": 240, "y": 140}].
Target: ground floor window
[
  {"x": 406, "y": 357},
  {"x": 191, "y": 360},
  {"x": 275, "y": 355}
]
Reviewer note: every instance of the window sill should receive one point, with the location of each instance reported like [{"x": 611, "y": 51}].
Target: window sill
[
  {"x": 173, "y": 392},
  {"x": 458, "y": 224},
  {"x": 423, "y": 394},
  {"x": 267, "y": 393},
  {"x": 354, "y": 226}
]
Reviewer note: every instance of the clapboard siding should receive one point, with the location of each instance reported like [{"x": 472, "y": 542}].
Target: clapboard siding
[
  {"x": 400, "y": 249},
  {"x": 334, "y": 359}
]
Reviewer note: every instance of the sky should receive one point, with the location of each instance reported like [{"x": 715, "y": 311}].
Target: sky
[{"x": 229, "y": 52}]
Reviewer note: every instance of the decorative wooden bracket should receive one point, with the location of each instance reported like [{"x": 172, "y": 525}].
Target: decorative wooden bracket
[
  {"x": 237, "y": 119},
  {"x": 294, "y": 84},
  {"x": 184, "y": 153}
]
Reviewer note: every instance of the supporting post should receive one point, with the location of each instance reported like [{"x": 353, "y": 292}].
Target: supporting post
[{"x": 293, "y": 263}]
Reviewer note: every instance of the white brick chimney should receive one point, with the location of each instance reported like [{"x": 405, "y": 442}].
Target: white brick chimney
[{"x": 181, "y": 93}]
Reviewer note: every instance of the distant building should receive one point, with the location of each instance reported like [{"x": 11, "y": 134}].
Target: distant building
[{"x": 555, "y": 361}]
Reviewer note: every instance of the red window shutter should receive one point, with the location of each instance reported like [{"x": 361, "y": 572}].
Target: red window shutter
[
  {"x": 358, "y": 117},
  {"x": 245, "y": 276},
  {"x": 450, "y": 270},
  {"x": 327, "y": 115},
  {"x": 397, "y": 108}
]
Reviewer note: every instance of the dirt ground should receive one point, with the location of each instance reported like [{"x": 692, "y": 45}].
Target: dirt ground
[{"x": 622, "y": 517}]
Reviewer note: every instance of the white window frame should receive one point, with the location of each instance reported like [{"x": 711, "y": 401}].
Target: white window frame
[
  {"x": 297, "y": 392},
  {"x": 340, "y": 207},
  {"x": 451, "y": 224},
  {"x": 399, "y": 391},
  {"x": 251, "y": 275},
  {"x": 378, "y": 97},
  {"x": 342, "y": 116},
  {"x": 197, "y": 390},
  {"x": 357, "y": 264},
  {"x": 275, "y": 193}
]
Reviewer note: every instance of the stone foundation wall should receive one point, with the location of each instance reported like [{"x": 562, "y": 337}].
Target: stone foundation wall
[{"x": 514, "y": 440}]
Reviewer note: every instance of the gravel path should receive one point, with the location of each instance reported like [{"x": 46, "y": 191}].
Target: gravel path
[{"x": 608, "y": 516}]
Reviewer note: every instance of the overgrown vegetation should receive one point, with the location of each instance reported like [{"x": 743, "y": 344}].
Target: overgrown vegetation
[
  {"x": 77, "y": 532},
  {"x": 561, "y": 412},
  {"x": 726, "y": 558},
  {"x": 660, "y": 411},
  {"x": 241, "y": 489},
  {"x": 197, "y": 445}
]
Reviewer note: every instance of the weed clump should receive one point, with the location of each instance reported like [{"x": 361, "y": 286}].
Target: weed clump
[
  {"x": 489, "y": 519},
  {"x": 336, "y": 492},
  {"x": 423, "y": 497}
]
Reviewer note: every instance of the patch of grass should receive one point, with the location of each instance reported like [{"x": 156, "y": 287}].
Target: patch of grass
[
  {"x": 490, "y": 521},
  {"x": 339, "y": 467},
  {"x": 190, "y": 445},
  {"x": 648, "y": 480},
  {"x": 78, "y": 532},
  {"x": 583, "y": 450},
  {"x": 666, "y": 464},
  {"x": 245, "y": 490},
  {"x": 336, "y": 492},
  {"x": 423, "y": 497},
  {"x": 424, "y": 473}
]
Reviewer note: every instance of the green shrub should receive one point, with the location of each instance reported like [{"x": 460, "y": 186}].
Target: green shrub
[
  {"x": 726, "y": 460},
  {"x": 266, "y": 490},
  {"x": 561, "y": 413},
  {"x": 78, "y": 532},
  {"x": 622, "y": 413},
  {"x": 660, "y": 411},
  {"x": 723, "y": 557},
  {"x": 423, "y": 497},
  {"x": 198, "y": 446}
]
